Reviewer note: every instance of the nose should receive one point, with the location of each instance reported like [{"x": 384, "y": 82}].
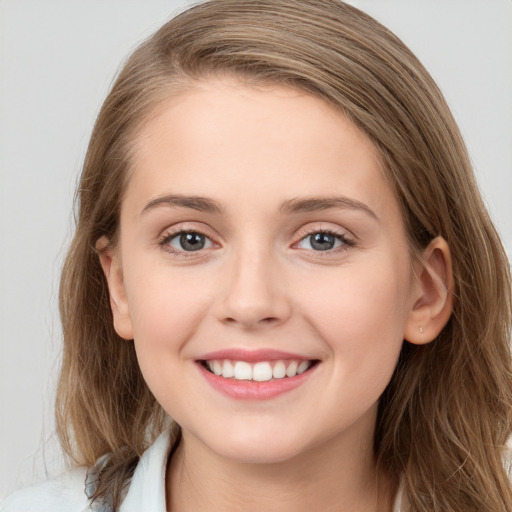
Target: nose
[{"x": 254, "y": 293}]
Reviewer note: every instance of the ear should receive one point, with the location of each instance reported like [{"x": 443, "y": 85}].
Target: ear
[
  {"x": 432, "y": 301},
  {"x": 111, "y": 265}
]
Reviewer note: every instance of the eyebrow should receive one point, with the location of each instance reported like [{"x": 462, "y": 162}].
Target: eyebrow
[
  {"x": 316, "y": 204},
  {"x": 201, "y": 204},
  {"x": 292, "y": 206}
]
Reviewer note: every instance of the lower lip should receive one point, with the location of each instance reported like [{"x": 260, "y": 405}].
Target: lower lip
[{"x": 252, "y": 390}]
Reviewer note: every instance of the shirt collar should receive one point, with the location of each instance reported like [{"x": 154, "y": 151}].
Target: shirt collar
[{"x": 147, "y": 487}]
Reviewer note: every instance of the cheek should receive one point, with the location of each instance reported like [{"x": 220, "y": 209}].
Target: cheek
[
  {"x": 162, "y": 298},
  {"x": 165, "y": 318},
  {"x": 165, "y": 308},
  {"x": 360, "y": 314},
  {"x": 362, "y": 325}
]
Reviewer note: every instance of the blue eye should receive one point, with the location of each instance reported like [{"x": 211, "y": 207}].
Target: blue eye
[
  {"x": 322, "y": 241},
  {"x": 188, "y": 241}
]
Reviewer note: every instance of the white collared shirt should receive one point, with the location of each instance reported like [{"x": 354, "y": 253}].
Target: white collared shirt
[{"x": 66, "y": 493}]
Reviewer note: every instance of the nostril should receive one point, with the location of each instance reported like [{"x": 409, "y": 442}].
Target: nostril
[{"x": 268, "y": 320}]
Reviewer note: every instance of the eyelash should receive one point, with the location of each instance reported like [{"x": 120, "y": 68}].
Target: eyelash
[
  {"x": 164, "y": 242},
  {"x": 346, "y": 242}
]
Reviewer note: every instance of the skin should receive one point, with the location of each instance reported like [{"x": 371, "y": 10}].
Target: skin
[{"x": 259, "y": 283}]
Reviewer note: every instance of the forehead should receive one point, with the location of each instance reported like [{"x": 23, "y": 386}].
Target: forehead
[{"x": 226, "y": 139}]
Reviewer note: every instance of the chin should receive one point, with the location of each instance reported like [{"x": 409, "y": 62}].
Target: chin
[{"x": 257, "y": 447}]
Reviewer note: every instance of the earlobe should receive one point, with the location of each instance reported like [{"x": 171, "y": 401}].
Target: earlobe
[
  {"x": 111, "y": 265},
  {"x": 432, "y": 303}
]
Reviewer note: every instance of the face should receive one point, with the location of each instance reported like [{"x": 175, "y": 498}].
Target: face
[{"x": 262, "y": 271}]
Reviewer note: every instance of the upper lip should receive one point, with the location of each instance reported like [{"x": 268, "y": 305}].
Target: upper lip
[{"x": 251, "y": 356}]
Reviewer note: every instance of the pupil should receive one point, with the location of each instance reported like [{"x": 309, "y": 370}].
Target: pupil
[
  {"x": 322, "y": 241},
  {"x": 192, "y": 241}
]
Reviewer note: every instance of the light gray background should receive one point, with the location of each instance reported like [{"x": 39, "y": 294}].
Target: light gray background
[{"x": 57, "y": 60}]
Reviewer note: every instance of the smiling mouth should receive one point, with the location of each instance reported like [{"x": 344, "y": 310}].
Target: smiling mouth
[{"x": 261, "y": 371}]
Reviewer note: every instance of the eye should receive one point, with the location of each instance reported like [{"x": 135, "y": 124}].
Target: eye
[
  {"x": 188, "y": 241},
  {"x": 322, "y": 241}
]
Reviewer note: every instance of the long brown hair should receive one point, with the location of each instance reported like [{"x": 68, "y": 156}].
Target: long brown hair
[{"x": 446, "y": 414}]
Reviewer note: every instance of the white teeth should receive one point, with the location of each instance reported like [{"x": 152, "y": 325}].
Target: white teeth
[
  {"x": 260, "y": 372},
  {"x": 302, "y": 367},
  {"x": 291, "y": 371},
  {"x": 217, "y": 368},
  {"x": 279, "y": 370},
  {"x": 227, "y": 369},
  {"x": 243, "y": 371}
]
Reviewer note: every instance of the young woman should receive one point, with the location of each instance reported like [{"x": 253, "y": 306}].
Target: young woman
[{"x": 281, "y": 246}]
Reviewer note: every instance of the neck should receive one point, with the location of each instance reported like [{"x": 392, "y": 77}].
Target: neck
[{"x": 339, "y": 476}]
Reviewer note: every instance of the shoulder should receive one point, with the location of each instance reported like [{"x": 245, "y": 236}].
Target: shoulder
[
  {"x": 63, "y": 493},
  {"x": 67, "y": 492}
]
